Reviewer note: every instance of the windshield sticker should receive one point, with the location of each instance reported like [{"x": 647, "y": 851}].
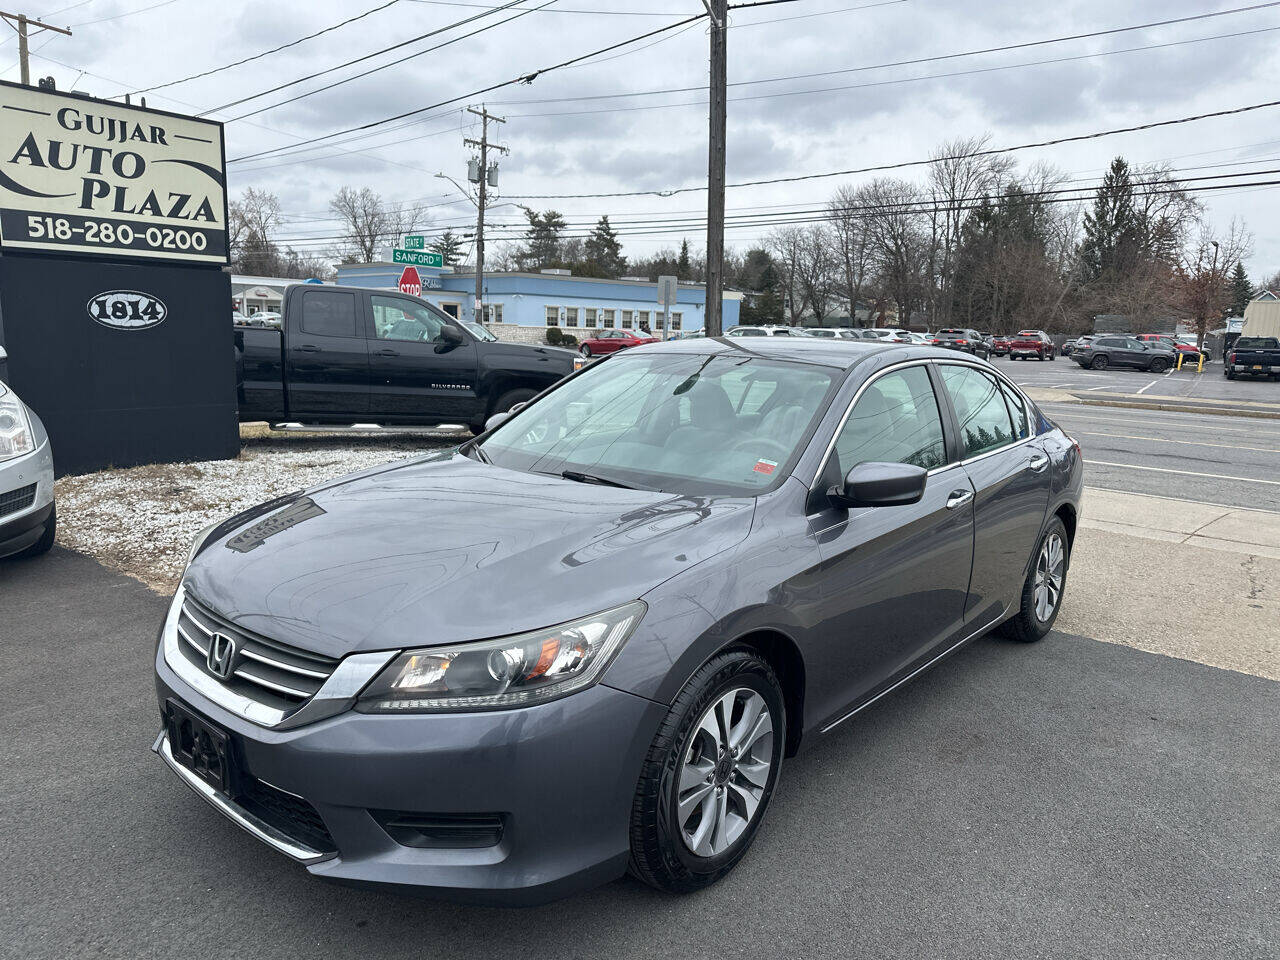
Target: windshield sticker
[{"x": 765, "y": 466}]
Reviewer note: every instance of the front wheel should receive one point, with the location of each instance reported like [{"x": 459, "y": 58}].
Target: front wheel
[
  {"x": 709, "y": 774},
  {"x": 1043, "y": 589},
  {"x": 1158, "y": 365},
  {"x": 1051, "y": 358}
]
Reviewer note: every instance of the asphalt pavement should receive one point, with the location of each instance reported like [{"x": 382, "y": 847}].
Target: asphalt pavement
[
  {"x": 1070, "y": 798},
  {"x": 1065, "y": 374}
]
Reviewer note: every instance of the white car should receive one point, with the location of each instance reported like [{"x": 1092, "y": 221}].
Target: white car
[
  {"x": 769, "y": 331},
  {"x": 28, "y": 520}
]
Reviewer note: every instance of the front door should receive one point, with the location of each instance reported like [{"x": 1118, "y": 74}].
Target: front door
[
  {"x": 327, "y": 360},
  {"x": 893, "y": 579},
  {"x": 415, "y": 374},
  {"x": 1009, "y": 473}
]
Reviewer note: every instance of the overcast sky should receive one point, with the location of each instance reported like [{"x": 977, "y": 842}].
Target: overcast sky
[{"x": 582, "y": 146}]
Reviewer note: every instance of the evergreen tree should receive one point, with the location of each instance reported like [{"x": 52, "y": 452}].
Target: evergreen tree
[
  {"x": 682, "y": 264},
  {"x": 603, "y": 252},
  {"x": 1113, "y": 230},
  {"x": 1241, "y": 290},
  {"x": 766, "y": 306},
  {"x": 449, "y": 246},
  {"x": 541, "y": 240}
]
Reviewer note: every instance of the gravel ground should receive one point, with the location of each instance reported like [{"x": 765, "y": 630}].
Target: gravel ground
[{"x": 141, "y": 520}]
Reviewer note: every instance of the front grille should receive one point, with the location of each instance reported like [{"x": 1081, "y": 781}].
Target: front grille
[
  {"x": 441, "y": 830},
  {"x": 271, "y": 673},
  {"x": 289, "y": 814},
  {"x": 16, "y": 500}
]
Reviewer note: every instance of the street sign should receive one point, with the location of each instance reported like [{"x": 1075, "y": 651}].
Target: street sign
[
  {"x": 667, "y": 293},
  {"x": 415, "y": 242},
  {"x": 417, "y": 258},
  {"x": 410, "y": 282}
]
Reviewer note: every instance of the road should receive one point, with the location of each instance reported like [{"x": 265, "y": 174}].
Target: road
[
  {"x": 1064, "y": 374},
  {"x": 1215, "y": 459},
  {"x": 1068, "y": 799}
]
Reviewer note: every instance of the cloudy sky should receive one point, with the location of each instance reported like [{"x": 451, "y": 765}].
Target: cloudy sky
[{"x": 567, "y": 135}]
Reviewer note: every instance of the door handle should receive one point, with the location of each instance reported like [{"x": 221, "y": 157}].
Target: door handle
[
  {"x": 308, "y": 348},
  {"x": 1037, "y": 463},
  {"x": 959, "y": 498},
  {"x": 386, "y": 353}
]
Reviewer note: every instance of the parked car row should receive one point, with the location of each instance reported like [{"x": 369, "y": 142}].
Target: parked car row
[{"x": 1101, "y": 352}]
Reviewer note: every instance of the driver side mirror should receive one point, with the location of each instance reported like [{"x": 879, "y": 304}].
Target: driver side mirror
[
  {"x": 880, "y": 485},
  {"x": 451, "y": 335}
]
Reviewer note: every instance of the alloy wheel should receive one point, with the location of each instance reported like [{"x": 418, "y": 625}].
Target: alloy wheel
[
  {"x": 1048, "y": 582},
  {"x": 725, "y": 771}
]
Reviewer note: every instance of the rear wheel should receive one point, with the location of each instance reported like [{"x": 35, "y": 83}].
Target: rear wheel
[
  {"x": 709, "y": 775},
  {"x": 1099, "y": 362},
  {"x": 1043, "y": 589}
]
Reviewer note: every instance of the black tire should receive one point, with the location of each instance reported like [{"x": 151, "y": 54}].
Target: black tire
[
  {"x": 1159, "y": 365},
  {"x": 503, "y": 404},
  {"x": 45, "y": 543},
  {"x": 1228, "y": 373},
  {"x": 659, "y": 854},
  {"x": 1026, "y": 626},
  {"x": 1052, "y": 358},
  {"x": 1099, "y": 362}
]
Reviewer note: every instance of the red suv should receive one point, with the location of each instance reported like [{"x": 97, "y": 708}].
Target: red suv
[
  {"x": 1031, "y": 343},
  {"x": 611, "y": 341}
]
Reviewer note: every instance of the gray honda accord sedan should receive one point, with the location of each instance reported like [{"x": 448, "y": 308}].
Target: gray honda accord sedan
[{"x": 582, "y": 643}]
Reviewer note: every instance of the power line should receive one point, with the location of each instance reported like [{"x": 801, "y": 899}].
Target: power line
[
  {"x": 361, "y": 59},
  {"x": 121, "y": 16},
  {"x": 913, "y": 62},
  {"x": 907, "y": 163},
  {"x": 475, "y": 94},
  {"x": 267, "y": 53},
  {"x": 392, "y": 63}
]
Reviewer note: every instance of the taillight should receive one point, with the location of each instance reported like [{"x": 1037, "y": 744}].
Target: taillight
[
  {"x": 1232, "y": 358},
  {"x": 962, "y": 342},
  {"x": 935, "y": 340}
]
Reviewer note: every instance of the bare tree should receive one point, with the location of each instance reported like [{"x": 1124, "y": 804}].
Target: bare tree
[
  {"x": 1202, "y": 274},
  {"x": 899, "y": 242},
  {"x": 852, "y": 244},
  {"x": 251, "y": 220},
  {"x": 787, "y": 244},
  {"x": 368, "y": 222}
]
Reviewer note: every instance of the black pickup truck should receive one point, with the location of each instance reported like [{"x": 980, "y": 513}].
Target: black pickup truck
[
  {"x": 346, "y": 355},
  {"x": 1252, "y": 357}
]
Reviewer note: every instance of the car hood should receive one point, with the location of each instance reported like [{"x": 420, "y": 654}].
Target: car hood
[{"x": 446, "y": 549}]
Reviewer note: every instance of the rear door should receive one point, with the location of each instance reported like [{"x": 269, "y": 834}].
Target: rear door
[
  {"x": 1010, "y": 478},
  {"x": 893, "y": 582},
  {"x": 326, "y": 356},
  {"x": 415, "y": 373}
]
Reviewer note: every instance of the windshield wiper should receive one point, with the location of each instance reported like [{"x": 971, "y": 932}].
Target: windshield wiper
[{"x": 592, "y": 478}]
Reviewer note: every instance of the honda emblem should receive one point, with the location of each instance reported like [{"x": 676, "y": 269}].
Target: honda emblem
[{"x": 221, "y": 656}]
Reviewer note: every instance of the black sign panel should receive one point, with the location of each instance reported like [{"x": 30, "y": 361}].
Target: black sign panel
[{"x": 119, "y": 391}]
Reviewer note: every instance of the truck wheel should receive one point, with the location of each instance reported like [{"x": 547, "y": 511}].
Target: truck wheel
[
  {"x": 45, "y": 543},
  {"x": 511, "y": 398}
]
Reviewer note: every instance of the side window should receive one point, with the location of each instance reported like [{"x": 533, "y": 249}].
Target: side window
[
  {"x": 396, "y": 319},
  {"x": 1017, "y": 410},
  {"x": 895, "y": 420},
  {"x": 329, "y": 313},
  {"x": 1134, "y": 344},
  {"x": 980, "y": 408}
]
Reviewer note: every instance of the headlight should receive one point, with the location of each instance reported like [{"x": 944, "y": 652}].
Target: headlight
[
  {"x": 198, "y": 542},
  {"x": 16, "y": 437},
  {"x": 510, "y": 672}
]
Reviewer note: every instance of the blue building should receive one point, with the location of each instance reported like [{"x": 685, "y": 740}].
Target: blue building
[{"x": 523, "y": 306}]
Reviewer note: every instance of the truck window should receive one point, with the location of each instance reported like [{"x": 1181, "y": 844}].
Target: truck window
[
  {"x": 329, "y": 313},
  {"x": 396, "y": 319}
]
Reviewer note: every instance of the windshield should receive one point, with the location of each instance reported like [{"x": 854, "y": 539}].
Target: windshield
[
  {"x": 477, "y": 330},
  {"x": 683, "y": 423}
]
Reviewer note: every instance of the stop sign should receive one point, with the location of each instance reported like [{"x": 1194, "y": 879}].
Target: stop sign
[{"x": 410, "y": 282}]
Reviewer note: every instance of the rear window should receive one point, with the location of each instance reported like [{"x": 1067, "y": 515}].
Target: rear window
[
  {"x": 1258, "y": 343},
  {"x": 329, "y": 313}
]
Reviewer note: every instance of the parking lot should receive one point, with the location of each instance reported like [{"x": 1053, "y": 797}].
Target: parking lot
[{"x": 1109, "y": 791}]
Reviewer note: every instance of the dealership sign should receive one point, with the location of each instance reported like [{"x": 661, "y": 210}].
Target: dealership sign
[{"x": 84, "y": 176}]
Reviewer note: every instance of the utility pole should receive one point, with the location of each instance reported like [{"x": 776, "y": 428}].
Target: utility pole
[
  {"x": 718, "y": 11},
  {"x": 20, "y": 23},
  {"x": 485, "y": 178}
]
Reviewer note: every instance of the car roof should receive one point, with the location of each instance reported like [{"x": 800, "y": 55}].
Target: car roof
[{"x": 841, "y": 354}]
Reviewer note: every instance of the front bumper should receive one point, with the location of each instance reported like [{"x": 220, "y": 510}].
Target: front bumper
[
  {"x": 562, "y": 776},
  {"x": 23, "y": 527}
]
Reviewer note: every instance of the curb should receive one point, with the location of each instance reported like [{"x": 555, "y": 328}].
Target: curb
[{"x": 1183, "y": 408}]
